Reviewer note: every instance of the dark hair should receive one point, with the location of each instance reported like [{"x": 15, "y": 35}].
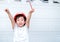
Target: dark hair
[{"x": 19, "y": 15}]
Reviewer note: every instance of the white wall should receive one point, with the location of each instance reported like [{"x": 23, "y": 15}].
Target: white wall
[{"x": 44, "y": 25}]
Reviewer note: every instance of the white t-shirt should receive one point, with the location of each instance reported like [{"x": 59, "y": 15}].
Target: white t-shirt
[{"x": 20, "y": 34}]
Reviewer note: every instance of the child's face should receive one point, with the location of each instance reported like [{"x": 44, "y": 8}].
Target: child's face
[{"x": 20, "y": 21}]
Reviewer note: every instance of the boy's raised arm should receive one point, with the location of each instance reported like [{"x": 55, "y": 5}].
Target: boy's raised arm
[
  {"x": 29, "y": 17},
  {"x": 10, "y": 17}
]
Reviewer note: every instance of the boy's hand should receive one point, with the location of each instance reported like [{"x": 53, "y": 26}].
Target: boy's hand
[
  {"x": 6, "y": 10},
  {"x": 31, "y": 11}
]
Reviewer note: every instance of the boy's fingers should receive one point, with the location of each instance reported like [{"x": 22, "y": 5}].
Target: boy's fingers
[
  {"x": 6, "y": 10},
  {"x": 32, "y": 10}
]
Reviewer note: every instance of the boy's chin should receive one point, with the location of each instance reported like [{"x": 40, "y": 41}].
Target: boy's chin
[{"x": 20, "y": 25}]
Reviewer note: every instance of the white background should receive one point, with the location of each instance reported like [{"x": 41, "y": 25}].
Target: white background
[{"x": 44, "y": 24}]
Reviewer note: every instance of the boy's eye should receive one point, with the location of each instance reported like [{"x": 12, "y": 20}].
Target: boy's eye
[
  {"x": 17, "y": 20},
  {"x": 21, "y": 19}
]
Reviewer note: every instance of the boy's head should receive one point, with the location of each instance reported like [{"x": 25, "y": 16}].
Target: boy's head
[{"x": 20, "y": 19}]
